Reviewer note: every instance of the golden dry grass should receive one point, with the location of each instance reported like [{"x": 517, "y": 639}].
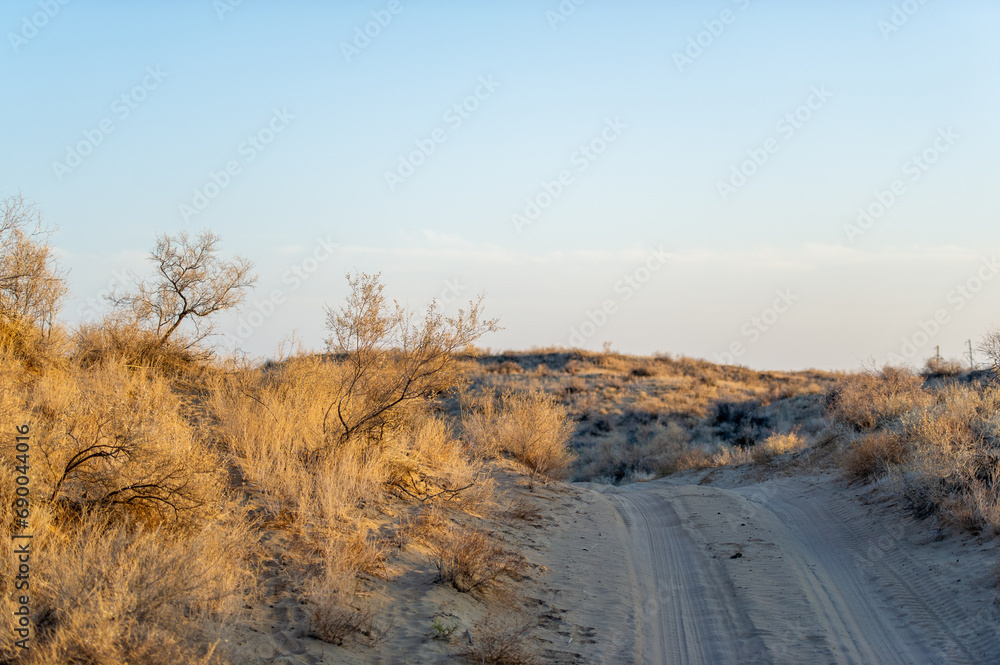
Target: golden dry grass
[{"x": 874, "y": 454}]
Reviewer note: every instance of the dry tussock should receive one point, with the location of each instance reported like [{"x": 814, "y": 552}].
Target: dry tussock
[
  {"x": 340, "y": 605},
  {"x": 120, "y": 341},
  {"x": 503, "y": 639},
  {"x": 531, "y": 427},
  {"x": 874, "y": 454},
  {"x": 776, "y": 444},
  {"x": 474, "y": 560}
]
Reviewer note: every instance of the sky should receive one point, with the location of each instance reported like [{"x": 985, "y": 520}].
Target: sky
[{"x": 781, "y": 185}]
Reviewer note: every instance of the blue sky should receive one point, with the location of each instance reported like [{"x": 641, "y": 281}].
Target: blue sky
[{"x": 313, "y": 126}]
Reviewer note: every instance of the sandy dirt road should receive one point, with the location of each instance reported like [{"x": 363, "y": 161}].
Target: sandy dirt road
[{"x": 798, "y": 571}]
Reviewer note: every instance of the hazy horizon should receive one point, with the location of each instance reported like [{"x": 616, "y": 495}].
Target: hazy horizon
[{"x": 776, "y": 185}]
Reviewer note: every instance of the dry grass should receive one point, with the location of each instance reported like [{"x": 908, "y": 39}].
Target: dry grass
[
  {"x": 938, "y": 443},
  {"x": 112, "y": 436},
  {"x": 776, "y": 444},
  {"x": 531, "y": 427},
  {"x": 138, "y": 459},
  {"x": 121, "y": 341},
  {"x": 520, "y": 508},
  {"x": 868, "y": 399},
  {"x": 115, "y": 593},
  {"x": 474, "y": 560},
  {"x": 874, "y": 454},
  {"x": 502, "y": 639},
  {"x": 339, "y": 606}
]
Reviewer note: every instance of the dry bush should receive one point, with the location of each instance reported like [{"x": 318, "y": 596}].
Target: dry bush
[
  {"x": 776, "y": 444},
  {"x": 943, "y": 457},
  {"x": 531, "y": 427},
  {"x": 868, "y": 400},
  {"x": 874, "y": 454},
  {"x": 474, "y": 560},
  {"x": 112, "y": 437},
  {"x": 114, "y": 593},
  {"x": 941, "y": 368},
  {"x": 389, "y": 362},
  {"x": 272, "y": 424},
  {"x": 502, "y": 639},
  {"x": 426, "y": 462},
  {"x": 694, "y": 459},
  {"x": 644, "y": 451},
  {"x": 339, "y": 607},
  {"x": 730, "y": 456},
  {"x": 723, "y": 455},
  {"x": 520, "y": 508},
  {"x": 24, "y": 344},
  {"x": 741, "y": 423}
]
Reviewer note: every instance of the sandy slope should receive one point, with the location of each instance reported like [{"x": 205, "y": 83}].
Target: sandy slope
[{"x": 798, "y": 570}]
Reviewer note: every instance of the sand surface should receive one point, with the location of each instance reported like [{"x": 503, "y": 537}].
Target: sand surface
[
  {"x": 801, "y": 570},
  {"x": 797, "y": 570}
]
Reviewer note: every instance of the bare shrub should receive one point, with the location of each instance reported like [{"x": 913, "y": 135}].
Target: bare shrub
[
  {"x": 874, "y": 454},
  {"x": 390, "y": 362},
  {"x": 474, "y": 560},
  {"x": 531, "y": 427},
  {"x": 868, "y": 400},
  {"x": 192, "y": 284},
  {"x": 990, "y": 347},
  {"x": 502, "y": 639},
  {"x": 32, "y": 286}
]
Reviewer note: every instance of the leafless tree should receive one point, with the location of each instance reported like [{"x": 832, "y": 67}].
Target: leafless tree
[
  {"x": 389, "y": 360},
  {"x": 32, "y": 286},
  {"x": 191, "y": 284},
  {"x": 990, "y": 347}
]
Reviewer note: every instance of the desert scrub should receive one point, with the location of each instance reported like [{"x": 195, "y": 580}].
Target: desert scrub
[{"x": 869, "y": 399}]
